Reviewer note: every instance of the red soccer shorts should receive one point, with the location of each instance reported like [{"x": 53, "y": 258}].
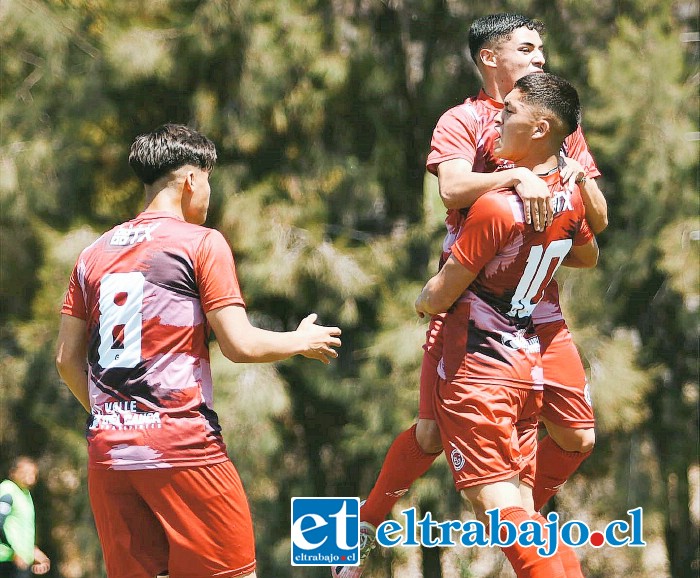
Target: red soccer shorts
[
  {"x": 428, "y": 372},
  {"x": 567, "y": 400},
  {"x": 489, "y": 431},
  {"x": 192, "y": 522}
]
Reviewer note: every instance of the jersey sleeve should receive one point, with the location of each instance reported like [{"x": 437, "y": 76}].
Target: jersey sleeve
[
  {"x": 215, "y": 273},
  {"x": 489, "y": 225},
  {"x": 454, "y": 137},
  {"x": 575, "y": 147},
  {"x": 74, "y": 300},
  {"x": 584, "y": 235}
]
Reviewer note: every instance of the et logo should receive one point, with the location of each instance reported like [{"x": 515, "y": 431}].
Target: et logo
[{"x": 325, "y": 531}]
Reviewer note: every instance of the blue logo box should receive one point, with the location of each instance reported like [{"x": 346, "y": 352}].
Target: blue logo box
[{"x": 325, "y": 531}]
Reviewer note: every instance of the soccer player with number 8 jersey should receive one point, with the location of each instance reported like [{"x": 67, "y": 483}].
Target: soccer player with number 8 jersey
[{"x": 140, "y": 306}]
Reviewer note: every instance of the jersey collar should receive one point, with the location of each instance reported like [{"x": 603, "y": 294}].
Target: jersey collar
[
  {"x": 158, "y": 215},
  {"x": 488, "y": 101}
]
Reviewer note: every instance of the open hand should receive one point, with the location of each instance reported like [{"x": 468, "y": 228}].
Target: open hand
[{"x": 318, "y": 340}]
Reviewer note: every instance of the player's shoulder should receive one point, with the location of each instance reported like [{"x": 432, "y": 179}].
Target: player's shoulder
[
  {"x": 566, "y": 199},
  {"x": 503, "y": 203},
  {"x": 196, "y": 238},
  {"x": 169, "y": 225},
  {"x": 574, "y": 139},
  {"x": 467, "y": 111}
]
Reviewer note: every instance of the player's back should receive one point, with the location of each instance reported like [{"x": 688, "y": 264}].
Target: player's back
[
  {"x": 150, "y": 382},
  {"x": 514, "y": 281},
  {"x": 514, "y": 264}
]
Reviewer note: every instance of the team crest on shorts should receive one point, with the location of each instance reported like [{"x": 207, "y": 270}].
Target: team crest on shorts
[
  {"x": 587, "y": 394},
  {"x": 458, "y": 459}
]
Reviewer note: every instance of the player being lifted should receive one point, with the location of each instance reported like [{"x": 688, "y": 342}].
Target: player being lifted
[
  {"x": 505, "y": 47},
  {"x": 489, "y": 392}
]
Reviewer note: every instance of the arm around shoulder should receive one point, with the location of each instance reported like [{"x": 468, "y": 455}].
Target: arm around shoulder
[{"x": 443, "y": 289}]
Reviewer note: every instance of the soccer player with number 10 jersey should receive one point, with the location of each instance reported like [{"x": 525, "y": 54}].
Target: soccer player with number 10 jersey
[
  {"x": 489, "y": 391},
  {"x": 505, "y": 47}
]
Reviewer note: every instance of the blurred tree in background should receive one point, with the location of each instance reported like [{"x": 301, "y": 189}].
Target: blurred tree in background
[{"x": 322, "y": 112}]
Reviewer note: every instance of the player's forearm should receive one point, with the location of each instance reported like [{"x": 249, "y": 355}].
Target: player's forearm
[
  {"x": 435, "y": 297},
  {"x": 596, "y": 205},
  {"x": 575, "y": 263},
  {"x": 242, "y": 342},
  {"x": 257, "y": 345},
  {"x": 582, "y": 256},
  {"x": 461, "y": 189}
]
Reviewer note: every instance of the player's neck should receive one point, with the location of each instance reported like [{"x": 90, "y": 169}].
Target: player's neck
[
  {"x": 166, "y": 200},
  {"x": 493, "y": 89},
  {"x": 539, "y": 164}
]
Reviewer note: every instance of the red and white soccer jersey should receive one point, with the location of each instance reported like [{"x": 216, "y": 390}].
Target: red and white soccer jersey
[
  {"x": 487, "y": 400},
  {"x": 514, "y": 264},
  {"x": 144, "y": 289},
  {"x": 467, "y": 132}
]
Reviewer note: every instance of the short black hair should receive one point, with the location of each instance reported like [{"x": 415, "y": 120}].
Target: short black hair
[
  {"x": 167, "y": 148},
  {"x": 553, "y": 93},
  {"x": 496, "y": 27}
]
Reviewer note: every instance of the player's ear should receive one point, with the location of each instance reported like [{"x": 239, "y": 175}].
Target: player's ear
[
  {"x": 189, "y": 181},
  {"x": 541, "y": 129},
  {"x": 487, "y": 57}
]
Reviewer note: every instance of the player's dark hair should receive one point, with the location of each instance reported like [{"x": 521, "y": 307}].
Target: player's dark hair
[
  {"x": 555, "y": 94},
  {"x": 494, "y": 28},
  {"x": 167, "y": 148}
]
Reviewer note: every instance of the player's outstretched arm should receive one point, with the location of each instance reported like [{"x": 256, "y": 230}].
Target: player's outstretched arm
[
  {"x": 582, "y": 256},
  {"x": 443, "y": 289},
  {"x": 71, "y": 357},
  {"x": 243, "y": 343}
]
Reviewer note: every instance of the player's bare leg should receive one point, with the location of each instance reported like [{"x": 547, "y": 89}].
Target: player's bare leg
[
  {"x": 428, "y": 436},
  {"x": 508, "y": 497},
  {"x": 571, "y": 439},
  {"x": 526, "y": 498}
]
